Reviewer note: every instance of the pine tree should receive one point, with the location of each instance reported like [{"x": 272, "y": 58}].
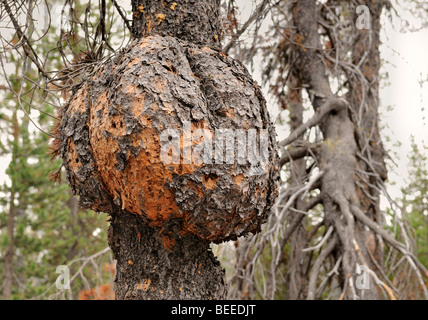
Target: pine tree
[
  {"x": 415, "y": 198},
  {"x": 42, "y": 226}
]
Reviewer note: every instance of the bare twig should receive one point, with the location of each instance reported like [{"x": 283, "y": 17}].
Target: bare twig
[
  {"x": 254, "y": 16},
  {"x": 323, "y": 240},
  {"x": 29, "y": 51},
  {"x": 125, "y": 20},
  {"x": 333, "y": 104}
]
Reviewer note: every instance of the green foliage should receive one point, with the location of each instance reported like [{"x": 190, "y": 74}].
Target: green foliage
[
  {"x": 49, "y": 228},
  {"x": 49, "y": 231},
  {"x": 415, "y": 198}
]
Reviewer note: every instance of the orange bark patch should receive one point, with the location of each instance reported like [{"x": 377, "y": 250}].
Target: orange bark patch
[
  {"x": 160, "y": 84},
  {"x": 145, "y": 42},
  {"x": 149, "y": 25},
  {"x": 141, "y": 186},
  {"x": 168, "y": 108},
  {"x": 134, "y": 61},
  {"x": 77, "y": 104},
  {"x": 210, "y": 181},
  {"x": 264, "y": 192},
  {"x": 230, "y": 112},
  {"x": 199, "y": 191},
  {"x": 145, "y": 285},
  {"x": 145, "y": 191},
  {"x": 168, "y": 242},
  {"x": 73, "y": 159},
  {"x": 206, "y": 50},
  {"x": 103, "y": 292},
  {"x": 238, "y": 179},
  {"x": 160, "y": 17}
]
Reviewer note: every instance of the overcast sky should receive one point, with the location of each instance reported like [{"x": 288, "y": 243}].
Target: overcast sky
[{"x": 408, "y": 55}]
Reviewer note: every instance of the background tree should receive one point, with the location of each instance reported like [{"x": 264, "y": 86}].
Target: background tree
[{"x": 326, "y": 55}]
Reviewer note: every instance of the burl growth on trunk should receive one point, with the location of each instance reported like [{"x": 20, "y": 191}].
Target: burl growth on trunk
[{"x": 173, "y": 140}]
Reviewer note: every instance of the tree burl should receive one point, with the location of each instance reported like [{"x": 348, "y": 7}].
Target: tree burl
[{"x": 172, "y": 139}]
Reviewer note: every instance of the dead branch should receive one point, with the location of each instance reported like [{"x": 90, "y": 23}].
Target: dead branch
[
  {"x": 254, "y": 16},
  {"x": 28, "y": 49},
  {"x": 331, "y": 104},
  {"x": 317, "y": 266}
]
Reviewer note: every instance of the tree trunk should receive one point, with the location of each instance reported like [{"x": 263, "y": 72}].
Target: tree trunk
[
  {"x": 152, "y": 265},
  {"x": 364, "y": 105},
  {"x": 151, "y": 268},
  {"x": 165, "y": 139},
  {"x": 298, "y": 260},
  {"x": 338, "y": 157},
  {"x": 193, "y": 21}
]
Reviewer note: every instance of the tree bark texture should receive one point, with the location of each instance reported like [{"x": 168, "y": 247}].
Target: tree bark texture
[
  {"x": 148, "y": 271},
  {"x": 195, "y": 21},
  {"x": 169, "y": 85}
]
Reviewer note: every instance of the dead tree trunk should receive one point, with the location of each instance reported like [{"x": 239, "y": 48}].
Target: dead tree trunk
[
  {"x": 338, "y": 156},
  {"x": 148, "y": 270},
  {"x": 172, "y": 138},
  {"x": 329, "y": 46}
]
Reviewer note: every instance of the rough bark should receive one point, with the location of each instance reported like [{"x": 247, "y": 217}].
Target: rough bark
[
  {"x": 112, "y": 130},
  {"x": 160, "y": 90},
  {"x": 146, "y": 270},
  {"x": 195, "y": 21}
]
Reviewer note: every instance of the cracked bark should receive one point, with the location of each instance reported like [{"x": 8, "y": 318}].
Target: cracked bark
[
  {"x": 172, "y": 79},
  {"x": 195, "y": 21}
]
